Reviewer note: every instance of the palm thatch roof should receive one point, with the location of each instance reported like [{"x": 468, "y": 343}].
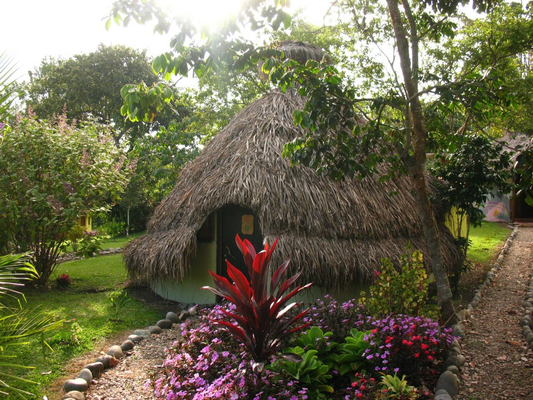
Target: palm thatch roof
[{"x": 336, "y": 232}]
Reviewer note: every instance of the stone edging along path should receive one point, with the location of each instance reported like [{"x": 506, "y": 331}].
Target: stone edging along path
[
  {"x": 75, "y": 388},
  {"x": 447, "y": 385}
]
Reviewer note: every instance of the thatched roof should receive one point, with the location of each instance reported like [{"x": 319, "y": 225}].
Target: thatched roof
[{"x": 336, "y": 232}]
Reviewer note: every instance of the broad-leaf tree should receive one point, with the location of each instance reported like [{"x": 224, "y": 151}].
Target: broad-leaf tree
[
  {"x": 87, "y": 86},
  {"x": 51, "y": 173}
]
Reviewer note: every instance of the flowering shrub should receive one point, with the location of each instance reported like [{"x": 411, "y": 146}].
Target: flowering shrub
[
  {"x": 209, "y": 364},
  {"x": 411, "y": 346},
  {"x": 400, "y": 292},
  {"x": 339, "y": 319},
  {"x": 63, "y": 281}
]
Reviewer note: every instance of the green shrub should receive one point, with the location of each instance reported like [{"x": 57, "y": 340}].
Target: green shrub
[
  {"x": 351, "y": 355},
  {"x": 400, "y": 292},
  {"x": 90, "y": 245}
]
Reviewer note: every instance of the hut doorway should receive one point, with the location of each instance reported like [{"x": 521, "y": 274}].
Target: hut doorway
[
  {"x": 233, "y": 220},
  {"x": 521, "y": 211}
]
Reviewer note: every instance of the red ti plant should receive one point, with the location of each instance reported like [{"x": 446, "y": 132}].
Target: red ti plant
[{"x": 259, "y": 322}]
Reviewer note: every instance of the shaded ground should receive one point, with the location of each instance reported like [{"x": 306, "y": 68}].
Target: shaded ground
[{"x": 499, "y": 364}]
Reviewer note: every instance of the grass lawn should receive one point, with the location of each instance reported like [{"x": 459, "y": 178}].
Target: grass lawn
[
  {"x": 89, "y": 313},
  {"x": 486, "y": 242},
  {"x": 485, "y": 239},
  {"x": 119, "y": 241}
]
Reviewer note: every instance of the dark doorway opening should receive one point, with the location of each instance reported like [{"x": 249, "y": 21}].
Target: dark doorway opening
[{"x": 233, "y": 220}]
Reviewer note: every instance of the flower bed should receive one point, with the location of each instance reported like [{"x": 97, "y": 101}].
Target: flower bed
[{"x": 344, "y": 355}]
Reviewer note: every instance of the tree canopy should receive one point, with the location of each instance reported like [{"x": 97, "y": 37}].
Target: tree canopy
[{"x": 87, "y": 86}]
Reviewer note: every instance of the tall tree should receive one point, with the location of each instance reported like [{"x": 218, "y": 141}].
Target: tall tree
[{"x": 87, "y": 86}]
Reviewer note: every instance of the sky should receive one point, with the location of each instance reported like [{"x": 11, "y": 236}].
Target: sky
[{"x": 31, "y": 30}]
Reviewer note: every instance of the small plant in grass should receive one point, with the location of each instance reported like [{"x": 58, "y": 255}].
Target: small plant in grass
[
  {"x": 63, "y": 281},
  {"x": 261, "y": 320},
  {"x": 400, "y": 292},
  {"x": 18, "y": 324},
  {"x": 119, "y": 299}
]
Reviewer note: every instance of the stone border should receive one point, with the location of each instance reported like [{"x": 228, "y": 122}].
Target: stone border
[
  {"x": 75, "y": 388},
  {"x": 526, "y": 322},
  {"x": 448, "y": 383}
]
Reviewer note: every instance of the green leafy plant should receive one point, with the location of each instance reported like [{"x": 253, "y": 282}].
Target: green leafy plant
[
  {"x": 114, "y": 228},
  {"x": 351, "y": 353},
  {"x": 90, "y": 245},
  {"x": 119, "y": 300},
  {"x": 392, "y": 387},
  {"x": 261, "y": 320},
  {"x": 316, "y": 339},
  {"x": 400, "y": 292},
  {"x": 74, "y": 236},
  {"x": 69, "y": 337},
  {"x": 310, "y": 371},
  {"x": 18, "y": 324}
]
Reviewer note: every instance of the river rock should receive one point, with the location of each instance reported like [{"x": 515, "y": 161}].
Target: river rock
[
  {"x": 77, "y": 384},
  {"x": 453, "y": 368},
  {"x": 115, "y": 351},
  {"x": 135, "y": 338},
  {"x": 105, "y": 360},
  {"x": 458, "y": 331},
  {"x": 86, "y": 375},
  {"x": 171, "y": 316},
  {"x": 164, "y": 324},
  {"x": 96, "y": 369},
  {"x": 145, "y": 333},
  {"x": 455, "y": 359},
  {"x": 449, "y": 382},
  {"x": 127, "y": 345},
  {"x": 156, "y": 330},
  {"x": 74, "y": 394}
]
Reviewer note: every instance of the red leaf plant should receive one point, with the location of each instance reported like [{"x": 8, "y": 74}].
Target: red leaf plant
[{"x": 259, "y": 319}]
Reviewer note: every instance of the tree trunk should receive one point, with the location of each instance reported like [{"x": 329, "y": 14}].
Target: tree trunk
[
  {"x": 416, "y": 163},
  {"x": 128, "y": 222}
]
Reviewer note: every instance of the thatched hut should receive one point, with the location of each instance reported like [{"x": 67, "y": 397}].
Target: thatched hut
[{"x": 336, "y": 232}]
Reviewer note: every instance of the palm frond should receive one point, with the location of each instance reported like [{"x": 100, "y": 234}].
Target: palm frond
[{"x": 7, "y": 84}]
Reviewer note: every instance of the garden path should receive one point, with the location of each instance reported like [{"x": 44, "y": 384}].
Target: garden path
[{"x": 499, "y": 364}]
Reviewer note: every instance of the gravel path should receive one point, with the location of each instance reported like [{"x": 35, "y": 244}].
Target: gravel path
[{"x": 499, "y": 364}]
